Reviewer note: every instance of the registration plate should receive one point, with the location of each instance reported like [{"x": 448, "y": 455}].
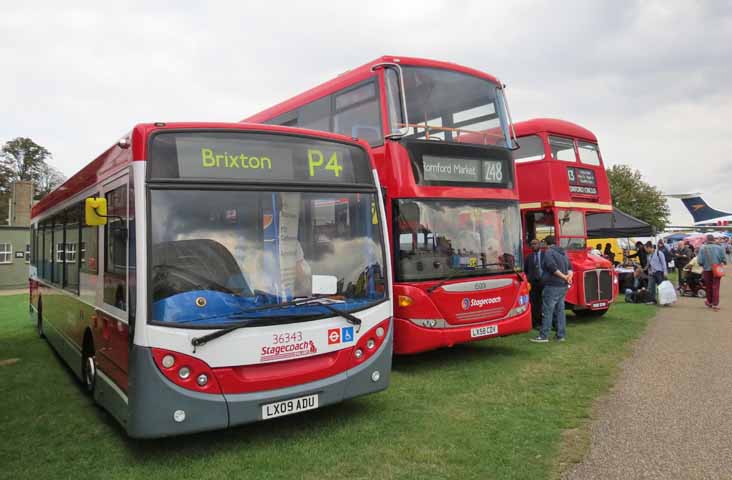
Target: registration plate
[
  {"x": 287, "y": 407},
  {"x": 483, "y": 331},
  {"x": 599, "y": 305}
]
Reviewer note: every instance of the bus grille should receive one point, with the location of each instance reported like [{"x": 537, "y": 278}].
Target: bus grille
[{"x": 598, "y": 285}]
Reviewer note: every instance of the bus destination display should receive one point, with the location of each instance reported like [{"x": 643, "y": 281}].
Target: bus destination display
[
  {"x": 236, "y": 156},
  {"x": 463, "y": 170},
  {"x": 582, "y": 180}
]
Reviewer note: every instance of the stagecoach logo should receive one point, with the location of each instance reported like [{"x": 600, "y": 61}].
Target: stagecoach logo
[
  {"x": 479, "y": 302},
  {"x": 286, "y": 352}
]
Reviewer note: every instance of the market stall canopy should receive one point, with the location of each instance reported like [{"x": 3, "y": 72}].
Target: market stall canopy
[{"x": 617, "y": 225}]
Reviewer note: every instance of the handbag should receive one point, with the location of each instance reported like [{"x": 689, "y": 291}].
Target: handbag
[{"x": 717, "y": 269}]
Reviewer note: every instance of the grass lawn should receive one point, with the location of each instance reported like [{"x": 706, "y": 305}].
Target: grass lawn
[{"x": 503, "y": 408}]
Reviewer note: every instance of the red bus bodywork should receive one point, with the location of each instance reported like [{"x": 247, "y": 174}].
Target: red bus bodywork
[
  {"x": 549, "y": 187},
  {"x": 427, "y": 320}
]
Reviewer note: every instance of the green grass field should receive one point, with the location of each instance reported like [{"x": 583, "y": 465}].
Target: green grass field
[{"x": 503, "y": 408}]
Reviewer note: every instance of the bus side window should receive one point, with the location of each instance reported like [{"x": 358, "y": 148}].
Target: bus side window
[
  {"x": 115, "y": 251},
  {"x": 357, "y": 114}
]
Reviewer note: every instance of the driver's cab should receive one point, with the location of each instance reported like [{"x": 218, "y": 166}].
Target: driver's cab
[{"x": 566, "y": 225}]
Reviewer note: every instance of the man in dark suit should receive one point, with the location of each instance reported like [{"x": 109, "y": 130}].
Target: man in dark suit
[{"x": 532, "y": 267}]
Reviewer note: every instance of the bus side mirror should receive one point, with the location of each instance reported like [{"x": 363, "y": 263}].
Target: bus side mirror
[{"x": 95, "y": 211}]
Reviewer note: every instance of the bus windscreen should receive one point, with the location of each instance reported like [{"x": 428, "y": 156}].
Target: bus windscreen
[{"x": 243, "y": 156}]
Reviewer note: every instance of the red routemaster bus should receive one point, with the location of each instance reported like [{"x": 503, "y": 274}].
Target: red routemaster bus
[
  {"x": 197, "y": 276},
  {"x": 562, "y": 179},
  {"x": 441, "y": 139}
]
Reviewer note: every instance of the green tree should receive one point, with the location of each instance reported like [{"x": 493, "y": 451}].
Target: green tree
[
  {"x": 637, "y": 197},
  {"x": 23, "y": 159}
]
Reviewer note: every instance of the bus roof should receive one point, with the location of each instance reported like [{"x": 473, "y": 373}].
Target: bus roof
[
  {"x": 354, "y": 76},
  {"x": 553, "y": 125},
  {"x": 115, "y": 157}
]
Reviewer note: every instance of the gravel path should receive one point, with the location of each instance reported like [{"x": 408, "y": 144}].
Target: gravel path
[{"x": 669, "y": 415}]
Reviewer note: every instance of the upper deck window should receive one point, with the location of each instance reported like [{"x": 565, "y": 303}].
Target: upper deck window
[
  {"x": 354, "y": 112},
  {"x": 451, "y": 106},
  {"x": 357, "y": 114},
  {"x": 589, "y": 153},
  {"x": 562, "y": 149},
  {"x": 530, "y": 148}
]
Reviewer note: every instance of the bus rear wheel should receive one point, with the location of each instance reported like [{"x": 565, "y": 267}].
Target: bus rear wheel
[
  {"x": 88, "y": 368},
  {"x": 39, "y": 322}
]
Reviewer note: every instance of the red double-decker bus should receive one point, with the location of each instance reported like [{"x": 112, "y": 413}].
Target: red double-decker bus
[
  {"x": 561, "y": 179},
  {"x": 198, "y": 276},
  {"x": 440, "y": 133}
]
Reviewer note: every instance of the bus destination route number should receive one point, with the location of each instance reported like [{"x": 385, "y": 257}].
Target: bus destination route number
[{"x": 323, "y": 162}]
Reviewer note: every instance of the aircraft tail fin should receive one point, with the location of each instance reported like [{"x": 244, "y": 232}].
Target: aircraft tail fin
[{"x": 701, "y": 211}]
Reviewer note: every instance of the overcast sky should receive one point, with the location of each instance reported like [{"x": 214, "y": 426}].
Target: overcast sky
[{"x": 652, "y": 79}]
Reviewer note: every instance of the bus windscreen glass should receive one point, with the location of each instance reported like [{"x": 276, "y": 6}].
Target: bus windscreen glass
[
  {"x": 244, "y": 156},
  {"x": 218, "y": 254},
  {"x": 451, "y": 106},
  {"x": 459, "y": 238}
]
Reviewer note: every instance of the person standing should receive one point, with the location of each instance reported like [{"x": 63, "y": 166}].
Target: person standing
[
  {"x": 608, "y": 253},
  {"x": 640, "y": 253},
  {"x": 657, "y": 270},
  {"x": 682, "y": 257},
  {"x": 556, "y": 278},
  {"x": 532, "y": 267},
  {"x": 708, "y": 255}
]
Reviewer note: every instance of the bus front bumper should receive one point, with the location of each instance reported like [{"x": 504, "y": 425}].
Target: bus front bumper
[
  {"x": 411, "y": 338},
  {"x": 154, "y": 400}
]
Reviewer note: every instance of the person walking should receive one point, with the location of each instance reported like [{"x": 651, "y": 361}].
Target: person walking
[
  {"x": 682, "y": 257},
  {"x": 556, "y": 278},
  {"x": 657, "y": 270},
  {"x": 711, "y": 254},
  {"x": 532, "y": 267}
]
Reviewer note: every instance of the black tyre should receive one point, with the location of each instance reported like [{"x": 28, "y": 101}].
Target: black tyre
[
  {"x": 591, "y": 313},
  {"x": 88, "y": 368},
  {"x": 39, "y": 322},
  {"x": 701, "y": 293}
]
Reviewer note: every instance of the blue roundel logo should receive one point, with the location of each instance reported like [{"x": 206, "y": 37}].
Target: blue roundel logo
[{"x": 466, "y": 303}]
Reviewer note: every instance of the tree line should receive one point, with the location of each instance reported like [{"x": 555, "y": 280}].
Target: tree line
[{"x": 23, "y": 159}]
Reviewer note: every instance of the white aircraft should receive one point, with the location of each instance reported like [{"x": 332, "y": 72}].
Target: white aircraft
[{"x": 703, "y": 214}]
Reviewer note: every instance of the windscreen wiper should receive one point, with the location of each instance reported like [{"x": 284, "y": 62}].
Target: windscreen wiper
[{"x": 314, "y": 300}]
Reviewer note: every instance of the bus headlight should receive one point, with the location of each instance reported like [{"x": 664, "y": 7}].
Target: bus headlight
[
  {"x": 168, "y": 361},
  {"x": 358, "y": 353},
  {"x": 370, "y": 344},
  {"x": 184, "y": 372},
  {"x": 202, "y": 380}
]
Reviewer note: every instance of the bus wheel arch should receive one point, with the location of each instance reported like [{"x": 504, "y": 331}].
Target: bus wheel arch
[{"x": 88, "y": 363}]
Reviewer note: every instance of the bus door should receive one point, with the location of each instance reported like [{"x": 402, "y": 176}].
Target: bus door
[{"x": 112, "y": 327}]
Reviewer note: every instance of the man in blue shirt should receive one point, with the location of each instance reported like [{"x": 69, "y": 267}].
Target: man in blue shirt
[
  {"x": 556, "y": 279},
  {"x": 532, "y": 267},
  {"x": 657, "y": 270},
  {"x": 710, "y": 254}
]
